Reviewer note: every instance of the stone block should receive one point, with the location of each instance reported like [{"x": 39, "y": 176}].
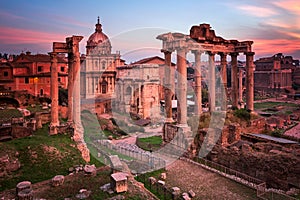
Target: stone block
[
  {"x": 163, "y": 176},
  {"x": 192, "y": 193},
  {"x": 185, "y": 196},
  {"x": 161, "y": 182},
  {"x": 152, "y": 180},
  {"x": 57, "y": 180}
]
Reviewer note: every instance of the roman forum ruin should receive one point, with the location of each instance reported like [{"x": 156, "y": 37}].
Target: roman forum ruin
[
  {"x": 71, "y": 47},
  {"x": 200, "y": 40}
]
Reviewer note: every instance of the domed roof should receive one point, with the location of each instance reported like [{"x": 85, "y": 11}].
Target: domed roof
[{"x": 98, "y": 36}]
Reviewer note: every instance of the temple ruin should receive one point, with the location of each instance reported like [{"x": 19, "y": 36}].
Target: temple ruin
[
  {"x": 202, "y": 39},
  {"x": 71, "y": 47}
]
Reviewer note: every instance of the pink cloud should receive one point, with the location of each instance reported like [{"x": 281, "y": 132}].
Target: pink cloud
[
  {"x": 10, "y": 35},
  {"x": 265, "y": 46}
]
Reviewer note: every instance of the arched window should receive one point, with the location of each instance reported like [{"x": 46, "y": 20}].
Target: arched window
[
  {"x": 41, "y": 92},
  {"x": 103, "y": 64},
  {"x": 128, "y": 90}
]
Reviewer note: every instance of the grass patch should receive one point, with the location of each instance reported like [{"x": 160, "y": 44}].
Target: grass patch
[
  {"x": 150, "y": 143},
  {"x": 41, "y": 157}
]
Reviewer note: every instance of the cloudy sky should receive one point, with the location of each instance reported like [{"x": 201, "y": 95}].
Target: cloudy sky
[{"x": 132, "y": 25}]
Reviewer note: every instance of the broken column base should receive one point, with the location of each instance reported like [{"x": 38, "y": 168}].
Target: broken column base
[
  {"x": 53, "y": 129},
  {"x": 80, "y": 143}
]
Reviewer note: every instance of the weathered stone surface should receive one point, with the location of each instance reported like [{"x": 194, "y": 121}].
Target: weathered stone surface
[
  {"x": 25, "y": 194},
  {"x": 57, "y": 180},
  {"x": 119, "y": 182},
  {"x": 90, "y": 170},
  {"x": 265, "y": 161},
  {"x": 185, "y": 196},
  {"x": 163, "y": 176},
  {"x": 192, "y": 193},
  {"x": 175, "y": 191},
  {"x": 152, "y": 180},
  {"x": 83, "y": 194},
  {"x": 161, "y": 182},
  {"x": 23, "y": 186}
]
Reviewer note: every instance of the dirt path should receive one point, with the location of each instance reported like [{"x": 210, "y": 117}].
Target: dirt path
[
  {"x": 205, "y": 184},
  {"x": 294, "y": 132}
]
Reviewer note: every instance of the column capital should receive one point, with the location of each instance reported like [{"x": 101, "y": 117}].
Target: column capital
[
  {"x": 234, "y": 54},
  {"x": 249, "y": 53},
  {"x": 182, "y": 50}
]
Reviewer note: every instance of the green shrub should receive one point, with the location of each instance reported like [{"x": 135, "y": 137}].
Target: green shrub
[{"x": 242, "y": 114}]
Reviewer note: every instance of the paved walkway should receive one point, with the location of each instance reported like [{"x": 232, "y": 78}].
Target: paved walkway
[{"x": 294, "y": 132}]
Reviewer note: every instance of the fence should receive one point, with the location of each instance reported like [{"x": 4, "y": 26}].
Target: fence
[
  {"x": 160, "y": 191},
  {"x": 261, "y": 191},
  {"x": 144, "y": 157}
]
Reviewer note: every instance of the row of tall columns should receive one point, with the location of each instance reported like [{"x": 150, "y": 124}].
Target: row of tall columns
[
  {"x": 236, "y": 83},
  {"x": 54, "y": 94}
]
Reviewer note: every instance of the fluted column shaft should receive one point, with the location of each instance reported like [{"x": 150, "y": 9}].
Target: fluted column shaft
[
  {"x": 198, "y": 86},
  {"x": 168, "y": 86},
  {"x": 182, "y": 87},
  {"x": 250, "y": 81},
  {"x": 234, "y": 79},
  {"x": 54, "y": 94},
  {"x": 212, "y": 81}
]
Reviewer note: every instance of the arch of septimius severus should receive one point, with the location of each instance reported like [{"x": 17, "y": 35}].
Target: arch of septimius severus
[{"x": 202, "y": 39}]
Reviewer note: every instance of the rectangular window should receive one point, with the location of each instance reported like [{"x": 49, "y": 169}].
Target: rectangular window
[
  {"x": 26, "y": 80},
  {"x": 5, "y": 73},
  {"x": 62, "y": 69},
  {"x": 40, "y": 68},
  {"x": 59, "y": 79}
]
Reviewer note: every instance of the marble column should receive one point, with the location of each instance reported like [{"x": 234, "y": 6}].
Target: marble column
[
  {"x": 140, "y": 107},
  {"x": 198, "y": 86},
  {"x": 234, "y": 79},
  {"x": 212, "y": 82},
  {"x": 54, "y": 94},
  {"x": 250, "y": 81},
  {"x": 224, "y": 81},
  {"x": 70, "y": 87},
  {"x": 78, "y": 137},
  {"x": 167, "y": 86},
  {"x": 182, "y": 87},
  {"x": 240, "y": 86}
]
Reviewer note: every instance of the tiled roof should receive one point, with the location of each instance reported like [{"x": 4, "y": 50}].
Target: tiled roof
[
  {"x": 38, "y": 58},
  {"x": 148, "y": 60}
]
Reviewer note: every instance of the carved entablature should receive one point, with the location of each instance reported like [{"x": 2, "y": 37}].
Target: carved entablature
[
  {"x": 244, "y": 46},
  {"x": 203, "y": 38}
]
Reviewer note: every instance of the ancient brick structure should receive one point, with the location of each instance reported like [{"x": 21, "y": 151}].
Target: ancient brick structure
[
  {"x": 274, "y": 73},
  {"x": 138, "y": 89}
]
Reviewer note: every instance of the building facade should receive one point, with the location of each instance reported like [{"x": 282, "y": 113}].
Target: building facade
[
  {"x": 31, "y": 73},
  {"x": 137, "y": 90},
  {"x": 274, "y": 73},
  {"x": 98, "y": 71}
]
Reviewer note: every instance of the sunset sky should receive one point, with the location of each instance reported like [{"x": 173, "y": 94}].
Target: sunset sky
[{"x": 33, "y": 25}]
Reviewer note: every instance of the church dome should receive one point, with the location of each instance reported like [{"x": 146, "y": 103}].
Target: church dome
[{"x": 98, "y": 39}]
